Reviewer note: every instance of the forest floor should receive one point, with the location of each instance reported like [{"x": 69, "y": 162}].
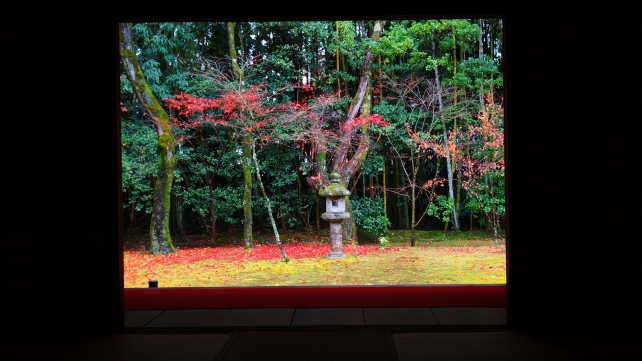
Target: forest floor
[{"x": 466, "y": 257}]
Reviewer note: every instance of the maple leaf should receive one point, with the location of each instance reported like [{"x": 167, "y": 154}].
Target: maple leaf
[{"x": 370, "y": 119}]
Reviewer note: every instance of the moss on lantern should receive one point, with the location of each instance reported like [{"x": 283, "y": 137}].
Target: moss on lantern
[{"x": 335, "y": 189}]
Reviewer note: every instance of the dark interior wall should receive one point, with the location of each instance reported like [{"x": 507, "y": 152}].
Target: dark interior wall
[
  {"x": 60, "y": 251},
  {"x": 574, "y": 255},
  {"x": 572, "y": 251}
]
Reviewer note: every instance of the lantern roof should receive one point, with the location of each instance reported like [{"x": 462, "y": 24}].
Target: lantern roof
[{"x": 334, "y": 189}]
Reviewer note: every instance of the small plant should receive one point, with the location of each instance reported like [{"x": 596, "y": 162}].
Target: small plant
[{"x": 384, "y": 242}]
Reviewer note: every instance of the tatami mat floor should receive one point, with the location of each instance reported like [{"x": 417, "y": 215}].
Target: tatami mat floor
[
  {"x": 464, "y": 333},
  {"x": 312, "y": 317}
]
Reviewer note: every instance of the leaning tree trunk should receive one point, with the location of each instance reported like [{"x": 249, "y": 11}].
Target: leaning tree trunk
[
  {"x": 160, "y": 239},
  {"x": 268, "y": 204}
]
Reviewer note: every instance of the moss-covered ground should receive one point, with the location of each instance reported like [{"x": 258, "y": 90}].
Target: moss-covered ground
[{"x": 438, "y": 258}]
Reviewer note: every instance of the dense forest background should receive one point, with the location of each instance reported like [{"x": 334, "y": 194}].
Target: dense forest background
[{"x": 236, "y": 126}]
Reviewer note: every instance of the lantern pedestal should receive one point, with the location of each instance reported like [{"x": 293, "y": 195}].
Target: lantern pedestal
[
  {"x": 336, "y": 233},
  {"x": 335, "y": 207}
]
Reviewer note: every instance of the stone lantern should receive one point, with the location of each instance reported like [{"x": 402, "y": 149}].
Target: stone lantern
[{"x": 335, "y": 213}]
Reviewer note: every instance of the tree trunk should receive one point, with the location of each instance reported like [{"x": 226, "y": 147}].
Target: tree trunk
[
  {"x": 361, "y": 102},
  {"x": 401, "y": 200},
  {"x": 247, "y": 148},
  {"x": 385, "y": 189},
  {"x": 318, "y": 215},
  {"x": 337, "y": 60},
  {"x": 132, "y": 217},
  {"x": 480, "y": 54},
  {"x": 281, "y": 215},
  {"x": 340, "y": 162},
  {"x": 458, "y": 183},
  {"x": 268, "y": 204},
  {"x": 160, "y": 238},
  {"x": 176, "y": 219},
  {"x": 212, "y": 211},
  {"x": 394, "y": 210},
  {"x": 349, "y": 226},
  {"x": 412, "y": 221},
  {"x": 457, "y": 193},
  {"x": 449, "y": 166},
  {"x": 238, "y": 72},
  {"x": 247, "y": 190},
  {"x": 161, "y": 241}
]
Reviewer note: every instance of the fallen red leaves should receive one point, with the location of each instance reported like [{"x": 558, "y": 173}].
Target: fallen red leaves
[
  {"x": 233, "y": 265},
  {"x": 232, "y": 253}
]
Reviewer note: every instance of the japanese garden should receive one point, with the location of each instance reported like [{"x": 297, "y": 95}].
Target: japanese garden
[{"x": 316, "y": 152}]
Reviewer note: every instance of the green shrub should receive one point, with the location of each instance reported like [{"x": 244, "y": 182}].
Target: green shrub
[{"x": 369, "y": 215}]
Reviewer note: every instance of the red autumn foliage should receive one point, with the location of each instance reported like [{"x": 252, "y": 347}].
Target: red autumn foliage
[
  {"x": 238, "y": 253},
  {"x": 372, "y": 118},
  {"x": 245, "y": 109},
  {"x": 190, "y": 264},
  {"x": 135, "y": 261},
  {"x": 489, "y": 144}
]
